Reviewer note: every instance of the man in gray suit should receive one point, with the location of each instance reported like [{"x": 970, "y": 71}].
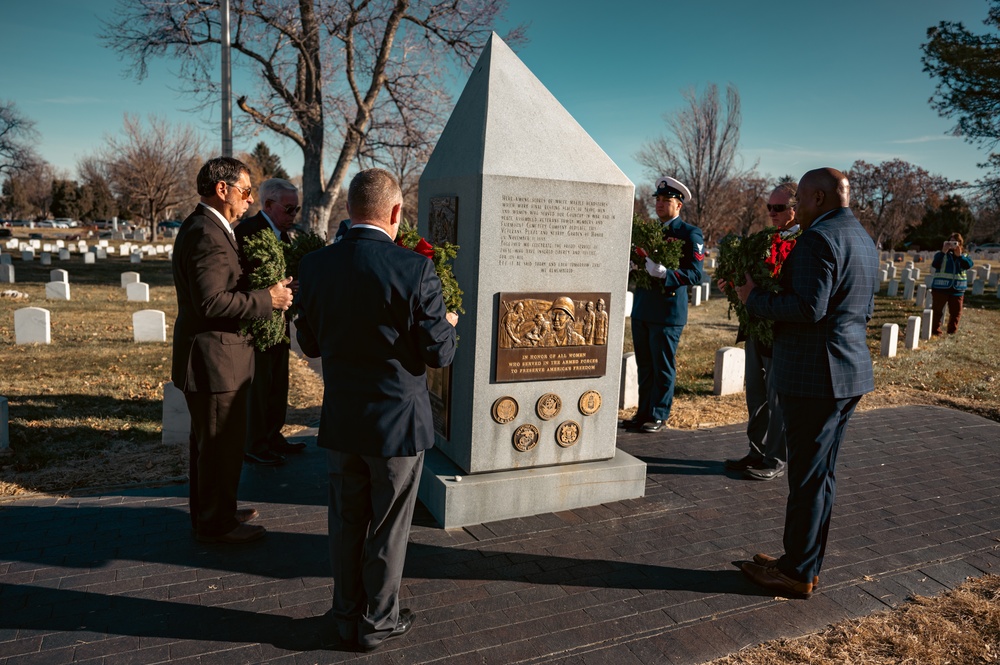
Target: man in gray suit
[
  {"x": 821, "y": 367},
  {"x": 212, "y": 363},
  {"x": 375, "y": 314}
]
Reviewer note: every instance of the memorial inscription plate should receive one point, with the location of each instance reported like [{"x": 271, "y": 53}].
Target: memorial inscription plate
[{"x": 542, "y": 336}]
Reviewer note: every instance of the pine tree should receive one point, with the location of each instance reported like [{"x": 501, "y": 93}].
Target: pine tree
[{"x": 268, "y": 162}]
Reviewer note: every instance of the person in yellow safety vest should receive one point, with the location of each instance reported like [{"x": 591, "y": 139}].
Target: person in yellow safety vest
[{"x": 949, "y": 282}]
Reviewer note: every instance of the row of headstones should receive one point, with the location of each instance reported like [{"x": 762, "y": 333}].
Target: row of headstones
[
  {"x": 922, "y": 293},
  {"x": 32, "y": 325},
  {"x": 58, "y": 286},
  {"x": 917, "y": 328},
  {"x": 728, "y": 376}
]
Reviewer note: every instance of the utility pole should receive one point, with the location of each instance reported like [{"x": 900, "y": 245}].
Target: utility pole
[{"x": 227, "y": 84}]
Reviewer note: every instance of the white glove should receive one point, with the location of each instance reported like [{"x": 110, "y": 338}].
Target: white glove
[
  {"x": 632, "y": 265},
  {"x": 655, "y": 269}
]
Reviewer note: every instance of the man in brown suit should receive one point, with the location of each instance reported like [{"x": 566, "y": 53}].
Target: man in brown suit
[{"x": 212, "y": 363}]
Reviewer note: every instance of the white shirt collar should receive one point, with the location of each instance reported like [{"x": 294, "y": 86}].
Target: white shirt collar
[
  {"x": 218, "y": 215},
  {"x": 271, "y": 224},
  {"x": 371, "y": 226}
]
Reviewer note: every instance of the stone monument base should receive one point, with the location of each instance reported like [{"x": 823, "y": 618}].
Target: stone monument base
[{"x": 500, "y": 495}]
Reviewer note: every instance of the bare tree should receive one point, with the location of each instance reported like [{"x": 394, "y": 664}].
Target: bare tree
[
  {"x": 28, "y": 190},
  {"x": 16, "y": 134},
  {"x": 893, "y": 195},
  {"x": 151, "y": 168},
  {"x": 702, "y": 152},
  {"x": 349, "y": 75},
  {"x": 748, "y": 195}
]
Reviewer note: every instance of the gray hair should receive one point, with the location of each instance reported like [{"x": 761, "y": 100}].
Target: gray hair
[
  {"x": 790, "y": 188},
  {"x": 270, "y": 188}
]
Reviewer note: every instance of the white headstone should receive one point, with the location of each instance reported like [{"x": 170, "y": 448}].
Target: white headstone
[
  {"x": 60, "y": 244},
  {"x": 136, "y": 257},
  {"x": 28, "y": 255},
  {"x": 628, "y": 393},
  {"x": 926, "y": 319},
  {"x": 893, "y": 289},
  {"x": 912, "y": 339},
  {"x": 102, "y": 252},
  {"x": 88, "y": 258},
  {"x": 13, "y": 243},
  {"x": 137, "y": 292},
  {"x": 921, "y": 294},
  {"x": 45, "y": 258},
  {"x": 129, "y": 278},
  {"x": 6, "y": 259},
  {"x": 978, "y": 287},
  {"x": 58, "y": 275},
  {"x": 628, "y": 303},
  {"x": 102, "y": 243},
  {"x": 730, "y": 365},
  {"x": 984, "y": 270},
  {"x": 907, "y": 274},
  {"x": 890, "y": 340},
  {"x": 883, "y": 275},
  {"x": 994, "y": 279},
  {"x": 710, "y": 264},
  {"x": 149, "y": 325},
  {"x": 63, "y": 254},
  {"x": 916, "y": 274},
  {"x": 176, "y": 417},
  {"x": 908, "y": 289},
  {"x": 706, "y": 291},
  {"x": 57, "y": 291},
  {"x": 695, "y": 294},
  {"x": 892, "y": 271},
  {"x": 6, "y": 273},
  {"x": 47, "y": 247},
  {"x": 31, "y": 326},
  {"x": 929, "y": 299},
  {"x": 35, "y": 243}
]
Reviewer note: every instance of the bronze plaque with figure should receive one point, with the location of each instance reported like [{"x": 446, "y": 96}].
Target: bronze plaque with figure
[{"x": 543, "y": 336}]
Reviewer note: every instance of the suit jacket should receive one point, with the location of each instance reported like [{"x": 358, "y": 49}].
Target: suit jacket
[
  {"x": 670, "y": 308},
  {"x": 244, "y": 230},
  {"x": 212, "y": 299},
  {"x": 374, "y": 312},
  {"x": 828, "y": 285}
]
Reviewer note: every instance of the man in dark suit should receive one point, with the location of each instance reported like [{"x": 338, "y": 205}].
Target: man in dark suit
[
  {"x": 659, "y": 314},
  {"x": 267, "y": 398},
  {"x": 821, "y": 367},
  {"x": 212, "y": 363},
  {"x": 375, "y": 314}
]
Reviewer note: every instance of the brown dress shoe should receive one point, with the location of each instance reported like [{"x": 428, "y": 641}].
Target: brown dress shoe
[
  {"x": 244, "y": 533},
  {"x": 244, "y": 515},
  {"x": 771, "y": 561},
  {"x": 774, "y": 580}
]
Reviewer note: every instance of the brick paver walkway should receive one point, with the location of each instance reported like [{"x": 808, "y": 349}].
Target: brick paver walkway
[{"x": 117, "y": 578}]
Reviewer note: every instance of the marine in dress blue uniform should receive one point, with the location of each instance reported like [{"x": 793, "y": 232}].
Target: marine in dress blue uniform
[{"x": 659, "y": 315}]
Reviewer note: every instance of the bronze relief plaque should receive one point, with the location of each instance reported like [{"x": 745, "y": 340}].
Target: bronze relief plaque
[
  {"x": 568, "y": 433},
  {"x": 504, "y": 410},
  {"x": 548, "y": 406},
  {"x": 590, "y": 402},
  {"x": 542, "y": 336},
  {"x": 525, "y": 437}
]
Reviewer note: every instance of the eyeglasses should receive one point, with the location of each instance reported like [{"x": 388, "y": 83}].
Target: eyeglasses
[
  {"x": 245, "y": 193},
  {"x": 291, "y": 210},
  {"x": 778, "y": 207}
]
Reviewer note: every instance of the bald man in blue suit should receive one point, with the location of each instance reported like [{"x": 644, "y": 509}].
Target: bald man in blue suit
[{"x": 821, "y": 367}]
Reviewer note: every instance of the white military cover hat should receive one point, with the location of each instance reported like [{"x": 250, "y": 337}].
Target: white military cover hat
[{"x": 667, "y": 186}]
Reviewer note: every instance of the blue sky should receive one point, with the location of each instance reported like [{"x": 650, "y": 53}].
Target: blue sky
[{"x": 822, "y": 84}]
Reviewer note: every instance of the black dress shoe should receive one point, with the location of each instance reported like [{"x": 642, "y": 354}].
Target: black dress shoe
[
  {"x": 264, "y": 458},
  {"x": 744, "y": 463},
  {"x": 244, "y": 533},
  {"x": 634, "y": 422},
  {"x": 403, "y": 625},
  {"x": 653, "y": 425},
  {"x": 764, "y": 472},
  {"x": 772, "y": 579}
]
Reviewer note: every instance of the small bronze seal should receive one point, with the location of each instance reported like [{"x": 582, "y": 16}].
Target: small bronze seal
[
  {"x": 525, "y": 437},
  {"x": 548, "y": 406},
  {"x": 504, "y": 410},
  {"x": 590, "y": 402},
  {"x": 568, "y": 433}
]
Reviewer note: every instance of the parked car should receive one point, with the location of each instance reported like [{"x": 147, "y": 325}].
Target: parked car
[
  {"x": 988, "y": 246},
  {"x": 170, "y": 224}
]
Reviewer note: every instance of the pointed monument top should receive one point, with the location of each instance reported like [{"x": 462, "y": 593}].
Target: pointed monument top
[{"x": 507, "y": 123}]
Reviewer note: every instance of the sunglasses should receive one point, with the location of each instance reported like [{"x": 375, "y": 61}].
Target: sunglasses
[
  {"x": 778, "y": 207},
  {"x": 245, "y": 193}
]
